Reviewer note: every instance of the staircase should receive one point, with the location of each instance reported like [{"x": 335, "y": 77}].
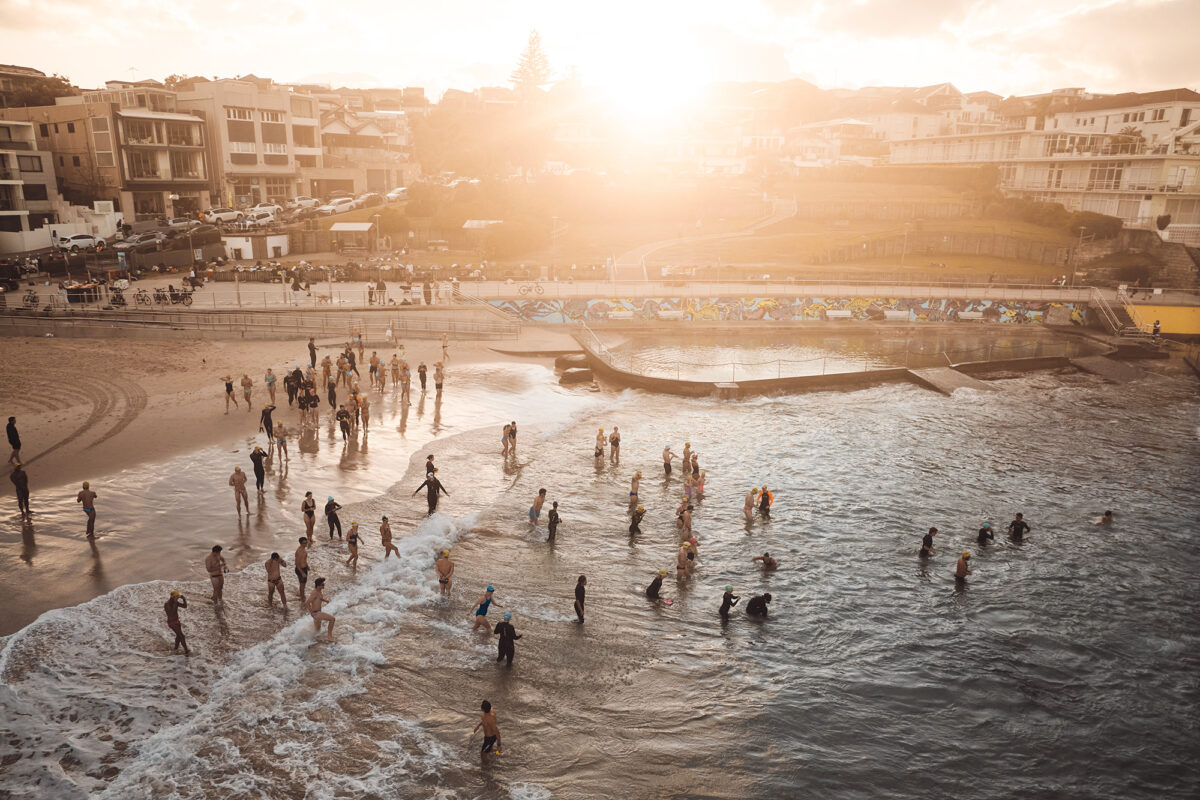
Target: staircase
[{"x": 1180, "y": 268}]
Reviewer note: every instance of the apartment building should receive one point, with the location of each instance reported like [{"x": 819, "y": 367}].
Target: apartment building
[
  {"x": 1108, "y": 173},
  {"x": 124, "y": 144},
  {"x": 260, "y": 136},
  {"x": 1166, "y": 120},
  {"x": 27, "y": 187}
]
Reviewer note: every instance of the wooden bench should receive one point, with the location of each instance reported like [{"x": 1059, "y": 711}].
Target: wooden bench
[
  {"x": 670, "y": 314},
  {"x": 839, "y": 315},
  {"x": 970, "y": 316},
  {"x": 895, "y": 316}
]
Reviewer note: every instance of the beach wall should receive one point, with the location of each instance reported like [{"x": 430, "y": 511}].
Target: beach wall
[{"x": 794, "y": 309}]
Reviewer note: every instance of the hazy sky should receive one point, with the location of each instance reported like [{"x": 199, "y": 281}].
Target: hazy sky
[{"x": 637, "y": 48}]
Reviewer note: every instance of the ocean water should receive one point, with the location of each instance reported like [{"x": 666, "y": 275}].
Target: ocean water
[{"x": 1067, "y": 666}]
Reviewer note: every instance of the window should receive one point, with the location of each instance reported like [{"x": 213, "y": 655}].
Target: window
[
  {"x": 29, "y": 163},
  {"x": 74, "y": 161},
  {"x": 304, "y": 135},
  {"x": 272, "y": 116},
  {"x": 35, "y": 191},
  {"x": 1158, "y": 115},
  {"x": 100, "y": 123},
  {"x": 61, "y": 163},
  {"x": 238, "y": 113},
  {"x": 142, "y": 164},
  {"x": 274, "y": 148},
  {"x": 56, "y": 127},
  {"x": 1106, "y": 175},
  {"x": 105, "y": 160},
  {"x": 1185, "y": 117},
  {"x": 70, "y": 127},
  {"x": 185, "y": 165},
  {"x": 242, "y": 147},
  {"x": 43, "y": 130},
  {"x": 139, "y": 132}
]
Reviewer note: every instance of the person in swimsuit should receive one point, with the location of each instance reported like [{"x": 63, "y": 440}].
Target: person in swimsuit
[
  {"x": 757, "y": 607},
  {"x": 686, "y": 461},
  {"x": 600, "y": 441},
  {"x": 1106, "y": 520},
  {"x": 667, "y": 456},
  {"x": 281, "y": 440},
  {"x": 20, "y": 482},
  {"x": 439, "y": 377},
  {"x": 395, "y": 369},
  {"x": 636, "y": 520},
  {"x": 962, "y": 569},
  {"x": 405, "y": 381},
  {"x": 364, "y": 405},
  {"x": 238, "y": 481},
  {"x": 614, "y": 446},
  {"x": 535, "y": 510},
  {"x": 652, "y": 591},
  {"x": 445, "y": 571},
  {"x": 695, "y": 465},
  {"x": 421, "y": 370},
  {"x": 331, "y": 516},
  {"x": 175, "y": 602},
  {"x": 269, "y": 380},
  {"x": 580, "y": 596},
  {"x": 326, "y": 369},
  {"x": 247, "y": 385},
  {"x": 229, "y": 396},
  {"x": 552, "y": 521},
  {"x": 768, "y": 563},
  {"x": 274, "y": 579},
  {"x": 314, "y": 604},
  {"x": 491, "y": 729},
  {"x": 385, "y": 538},
  {"x": 88, "y": 498},
  {"x": 634, "y": 485},
  {"x": 512, "y": 436},
  {"x": 504, "y": 439},
  {"x": 257, "y": 456},
  {"x": 215, "y": 565},
  {"x": 728, "y": 601},
  {"x": 308, "y": 508},
  {"x": 682, "y": 563},
  {"x": 480, "y": 610},
  {"x": 352, "y": 544},
  {"x": 301, "y": 567},
  {"x": 748, "y": 506},
  {"x": 689, "y": 485}
]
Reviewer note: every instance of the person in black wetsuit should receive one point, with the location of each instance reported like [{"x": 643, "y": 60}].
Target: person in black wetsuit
[
  {"x": 331, "y": 392},
  {"x": 552, "y": 520},
  {"x": 636, "y": 520},
  {"x": 580, "y": 596},
  {"x": 728, "y": 601},
  {"x": 985, "y": 534},
  {"x": 260, "y": 474},
  {"x": 508, "y": 635},
  {"x": 1018, "y": 528},
  {"x": 421, "y": 371},
  {"x": 312, "y": 352},
  {"x": 927, "y": 544},
  {"x": 433, "y": 488},
  {"x": 655, "y": 585},
  {"x": 343, "y": 418},
  {"x": 20, "y": 482},
  {"x": 331, "y": 509},
  {"x": 14, "y": 440},
  {"x": 265, "y": 423},
  {"x": 291, "y": 387},
  {"x": 353, "y": 361},
  {"x": 757, "y": 607},
  {"x": 764, "y": 503}
]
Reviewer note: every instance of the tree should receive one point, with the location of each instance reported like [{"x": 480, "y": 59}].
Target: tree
[
  {"x": 1162, "y": 221},
  {"x": 41, "y": 91},
  {"x": 533, "y": 68},
  {"x": 174, "y": 80}
]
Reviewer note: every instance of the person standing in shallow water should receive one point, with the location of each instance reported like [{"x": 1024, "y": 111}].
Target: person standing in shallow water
[
  {"x": 535, "y": 510},
  {"x": 480, "y": 609},
  {"x": 238, "y": 481},
  {"x": 385, "y": 538},
  {"x": 580, "y": 596},
  {"x": 927, "y": 544},
  {"x": 175, "y": 602},
  {"x": 257, "y": 457},
  {"x": 491, "y": 728},
  {"x": 962, "y": 569},
  {"x": 552, "y": 521},
  {"x": 88, "y": 498},
  {"x": 445, "y": 571},
  {"x": 314, "y": 604},
  {"x": 985, "y": 534},
  {"x": 667, "y": 455},
  {"x": 635, "y": 520},
  {"x": 331, "y": 516},
  {"x": 1018, "y": 528},
  {"x": 275, "y": 579},
  {"x": 433, "y": 489},
  {"x": 728, "y": 601},
  {"x": 508, "y": 635},
  {"x": 301, "y": 565},
  {"x": 422, "y": 372},
  {"x": 614, "y": 446},
  {"x": 215, "y": 565},
  {"x": 20, "y": 482}
]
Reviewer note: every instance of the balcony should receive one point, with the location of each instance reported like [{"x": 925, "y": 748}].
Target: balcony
[
  {"x": 12, "y": 144},
  {"x": 8, "y": 203},
  {"x": 144, "y": 175},
  {"x": 9, "y": 174}
]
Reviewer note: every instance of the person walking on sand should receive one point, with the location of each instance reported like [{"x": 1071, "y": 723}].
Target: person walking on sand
[
  {"x": 552, "y": 521},
  {"x": 385, "y": 538},
  {"x": 439, "y": 377},
  {"x": 247, "y": 385},
  {"x": 312, "y": 351},
  {"x": 275, "y": 579},
  {"x": 331, "y": 393},
  {"x": 667, "y": 455},
  {"x": 480, "y": 609},
  {"x": 508, "y": 636},
  {"x": 364, "y": 404},
  {"x": 445, "y": 347},
  {"x": 14, "y": 440},
  {"x": 491, "y": 728},
  {"x": 421, "y": 372},
  {"x": 269, "y": 380},
  {"x": 308, "y": 509},
  {"x": 175, "y": 602},
  {"x": 215, "y": 565},
  {"x": 88, "y": 498},
  {"x": 580, "y": 596},
  {"x": 257, "y": 457},
  {"x": 445, "y": 571},
  {"x": 314, "y": 603},
  {"x": 635, "y": 520},
  {"x": 265, "y": 423},
  {"x": 434, "y": 489},
  {"x": 281, "y": 440},
  {"x": 301, "y": 565},
  {"x": 352, "y": 545},
  {"x": 229, "y": 395},
  {"x": 20, "y": 481},
  {"x": 331, "y": 516},
  {"x": 614, "y": 446},
  {"x": 535, "y": 510},
  {"x": 238, "y": 481}
]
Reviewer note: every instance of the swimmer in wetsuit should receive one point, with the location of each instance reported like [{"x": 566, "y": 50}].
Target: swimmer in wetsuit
[
  {"x": 765, "y": 499},
  {"x": 508, "y": 635},
  {"x": 265, "y": 424},
  {"x": 652, "y": 591},
  {"x": 480, "y": 609},
  {"x": 927, "y": 544},
  {"x": 757, "y": 607},
  {"x": 580, "y": 596},
  {"x": 728, "y": 601},
  {"x": 260, "y": 473},
  {"x": 434, "y": 488},
  {"x": 331, "y": 516},
  {"x": 552, "y": 521},
  {"x": 1018, "y": 528},
  {"x": 985, "y": 534},
  {"x": 636, "y": 519}
]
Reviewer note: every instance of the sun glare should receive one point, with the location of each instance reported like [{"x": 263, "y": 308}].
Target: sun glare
[{"x": 650, "y": 87}]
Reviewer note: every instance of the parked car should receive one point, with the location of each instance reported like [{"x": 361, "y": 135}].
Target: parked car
[
  {"x": 336, "y": 206},
  {"x": 77, "y": 242},
  {"x": 368, "y": 200},
  {"x": 141, "y": 243},
  {"x": 297, "y": 214},
  {"x": 216, "y": 215},
  {"x": 184, "y": 222},
  {"x": 271, "y": 207},
  {"x": 303, "y": 201},
  {"x": 399, "y": 193},
  {"x": 336, "y": 193},
  {"x": 258, "y": 219}
]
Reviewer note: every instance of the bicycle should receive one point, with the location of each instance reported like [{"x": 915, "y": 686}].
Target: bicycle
[
  {"x": 116, "y": 298},
  {"x": 142, "y": 297},
  {"x": 31, "y": 299},
  {"x": 532, "y": 289},
  {"x": 161, "y": 297}
]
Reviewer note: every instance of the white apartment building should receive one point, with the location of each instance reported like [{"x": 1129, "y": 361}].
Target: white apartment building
[
  {"x": 27, "y": 187},
  {"x": 1105, "y": 173},
  {"x": 1168, "y": 120}
]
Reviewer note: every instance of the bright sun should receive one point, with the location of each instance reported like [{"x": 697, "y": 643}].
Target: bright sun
[{"x": 650, "y": 86}]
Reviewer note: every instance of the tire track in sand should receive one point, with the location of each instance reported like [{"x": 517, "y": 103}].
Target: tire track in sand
[
  {"x": 96, "y": 391},
  {"x": 134, "y": 399}
]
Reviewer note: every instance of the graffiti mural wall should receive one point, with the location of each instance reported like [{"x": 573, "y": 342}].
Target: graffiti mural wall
[{"x": 700, "y": 309}]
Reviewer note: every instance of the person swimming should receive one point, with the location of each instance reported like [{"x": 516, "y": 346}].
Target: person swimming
[
  {"x": 652, "y": 591},
  {"x": 757, "y": 607}
]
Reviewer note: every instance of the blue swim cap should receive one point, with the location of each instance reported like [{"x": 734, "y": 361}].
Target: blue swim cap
[
  {"x": 508, "y": 615},
  {"x": 987, "y": 524},
  {"x": 330, "y": 497},
  {"x": 490, "y": 589}
]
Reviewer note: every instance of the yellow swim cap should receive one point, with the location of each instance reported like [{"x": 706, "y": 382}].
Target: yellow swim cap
[
  {"x": 641, "y": 508},
  {"x": 966, "y": 554},
  {"x": 662, "y": 572},
  {"x": 445, "y": 553},
  {"x": 237, "y": 469},
  {"x": 174, "y": 593}
]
